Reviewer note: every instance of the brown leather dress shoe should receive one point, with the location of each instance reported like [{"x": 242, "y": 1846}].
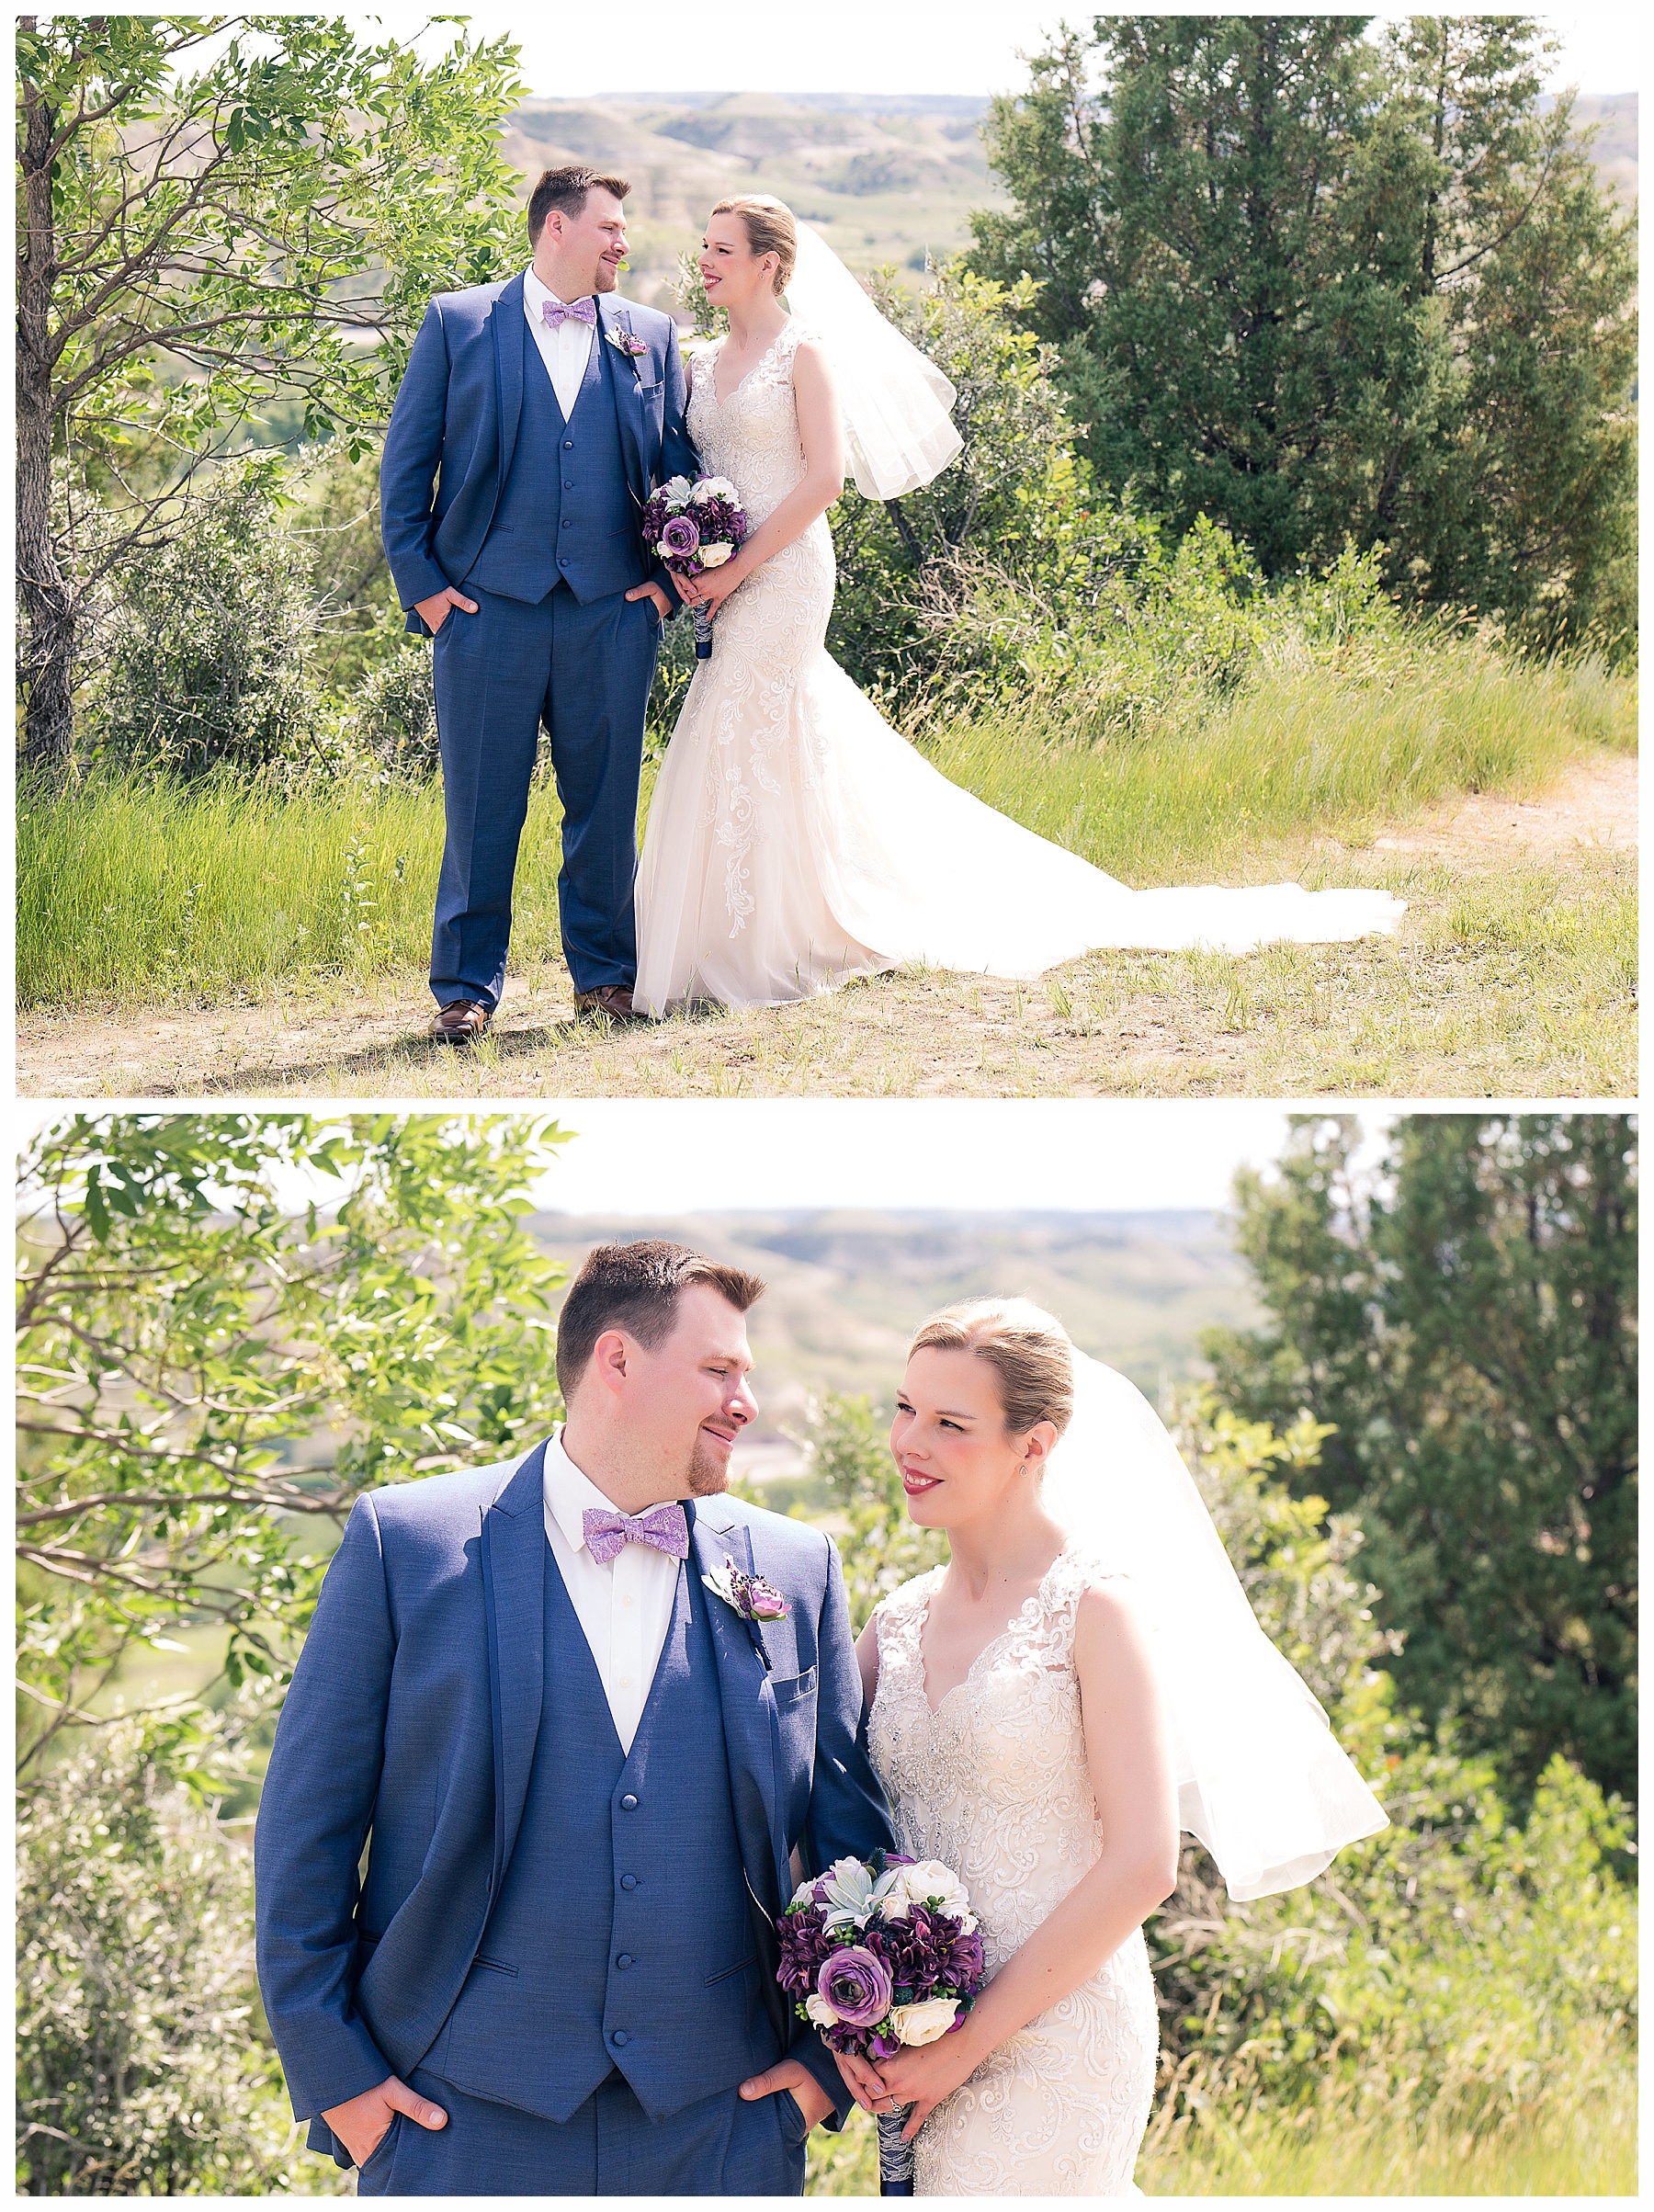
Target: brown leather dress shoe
[
  {"x": 461, "y": 1021},
  {"x": 613, "y": 998}
]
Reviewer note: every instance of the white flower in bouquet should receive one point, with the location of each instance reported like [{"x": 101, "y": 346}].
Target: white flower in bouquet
[
  {"x": 715, "y": 487},
  {"x": 714, "y": 556},
  {"x": 929, "y": 1883},
  {"x": 926, "y": 2023},
  {"x": 819, "y": 2011}
]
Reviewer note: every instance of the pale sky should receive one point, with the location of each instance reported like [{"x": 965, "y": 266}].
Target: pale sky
[
  {"x": 951, "y": 46},
  {"x": 648, "y": 1156}
]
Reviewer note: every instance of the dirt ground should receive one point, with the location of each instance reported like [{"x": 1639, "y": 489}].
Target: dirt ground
[{"x": 1433, "y": 1012}]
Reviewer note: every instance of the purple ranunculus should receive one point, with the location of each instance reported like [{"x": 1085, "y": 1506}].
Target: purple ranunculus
[
  {"x": 856, "y": 1985},
  {"x": 681, "y": 536}
]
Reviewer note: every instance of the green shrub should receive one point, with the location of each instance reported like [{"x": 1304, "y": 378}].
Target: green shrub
[
  {"x": 205, "y": 647},
  {"x": 143, "y": 2071}
]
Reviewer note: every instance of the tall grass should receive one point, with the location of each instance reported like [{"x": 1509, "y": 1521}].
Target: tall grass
[
  {"x": 1489, "y": 2131},
  {"x": 140, "y": 888}
]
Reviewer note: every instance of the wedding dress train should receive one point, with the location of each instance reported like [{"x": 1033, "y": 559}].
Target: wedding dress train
[
  {"x": 795, "y": 840},
  {"x": 994, "y": 1783}
]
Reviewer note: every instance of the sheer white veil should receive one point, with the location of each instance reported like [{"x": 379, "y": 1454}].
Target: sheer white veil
[
  {"x": 898, "y": 430},
  {"x": 1262, "y": 1781}
]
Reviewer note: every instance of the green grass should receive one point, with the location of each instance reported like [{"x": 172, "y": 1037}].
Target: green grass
[
  {"x": 1303, "y": 748},
  {"x": 144, "y": 891},
  {"x": 1573, "y": 2134}
]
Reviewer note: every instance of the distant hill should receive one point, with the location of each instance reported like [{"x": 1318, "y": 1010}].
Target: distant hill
[
  {"x": 886, "y": 178},
  {"x": 846, "y": 1290}
]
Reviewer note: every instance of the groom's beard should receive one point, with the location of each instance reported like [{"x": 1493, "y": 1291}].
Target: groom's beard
[{"x": 708, "y": 1470}]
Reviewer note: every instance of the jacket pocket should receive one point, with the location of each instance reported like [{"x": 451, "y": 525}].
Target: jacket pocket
[
  {"x": 790, "y": 1693},
  {"x": 494, "y": 1966},
  {"x": 739, "y": 1967}
]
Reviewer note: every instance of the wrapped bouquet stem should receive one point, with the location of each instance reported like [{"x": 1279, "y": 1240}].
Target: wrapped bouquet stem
[{"x": 879, "y": 1954}]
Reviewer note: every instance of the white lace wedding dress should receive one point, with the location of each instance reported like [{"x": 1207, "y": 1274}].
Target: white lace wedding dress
[
  {"x": 995, "y": 1785},
  {"x": 795, "y": 839}
]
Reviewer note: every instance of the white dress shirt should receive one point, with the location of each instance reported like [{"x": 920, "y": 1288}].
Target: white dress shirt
[
  {"x": 565, "y": 350},
  {"x": 625, "y": 1606}
]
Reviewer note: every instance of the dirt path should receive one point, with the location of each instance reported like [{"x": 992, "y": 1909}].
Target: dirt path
[{"x": 1453, "y": 1005}]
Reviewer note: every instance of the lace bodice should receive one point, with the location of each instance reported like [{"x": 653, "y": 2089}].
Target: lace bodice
[
  {"x": 995, "y": 1784},
  {"x": 751, "y": 434}
]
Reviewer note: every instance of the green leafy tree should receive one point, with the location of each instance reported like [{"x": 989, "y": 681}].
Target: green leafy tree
[
  {"x": 218, "y": 215},
  {"x": 1317, "y": 287},
  {"x": 1464, "y": 1318},
  {"x": 230, "y": 1324}
]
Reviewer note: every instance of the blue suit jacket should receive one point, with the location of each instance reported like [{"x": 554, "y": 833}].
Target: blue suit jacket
[
  {"x": 454, "y": 428},
  {"x": 413, "y": 1713}
]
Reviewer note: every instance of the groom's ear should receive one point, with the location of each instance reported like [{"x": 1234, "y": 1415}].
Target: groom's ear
[{"x": 608, "y": 1365}]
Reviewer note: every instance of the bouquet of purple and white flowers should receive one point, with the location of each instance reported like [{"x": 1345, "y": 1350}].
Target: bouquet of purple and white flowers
[
  {"x": 877, "y": 1954},
  {"x": 692, "y": 527}
]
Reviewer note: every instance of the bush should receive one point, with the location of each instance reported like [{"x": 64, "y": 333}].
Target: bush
[
  {"x": 142, "y": 2067},
  {"x": 204, "y": 647}
]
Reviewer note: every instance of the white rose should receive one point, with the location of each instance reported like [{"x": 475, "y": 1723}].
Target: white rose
[
  {"x": 805, "y": 1892},
  {"x": 714, "y": 556},
  {"x": 924, "y": 2023},
  {"x": 715, "y": 487},
  {"x": 819, "y": 2011},
  {"x": 918, "y": 1885}
]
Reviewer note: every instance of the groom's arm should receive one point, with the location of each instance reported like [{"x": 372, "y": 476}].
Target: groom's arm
[
  {"x": 313, "y": 1818},
  {"x": 847, "y": 1817},
  {"x": 409, "y": 465}
]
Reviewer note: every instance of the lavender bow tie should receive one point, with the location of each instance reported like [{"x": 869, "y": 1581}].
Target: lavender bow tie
[
  {"x": 608, "y": 1533},
  {"x": 557, "y": 314}
]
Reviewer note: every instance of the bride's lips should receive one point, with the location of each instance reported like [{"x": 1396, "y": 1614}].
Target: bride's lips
[{"x": 915, "y": 1484}]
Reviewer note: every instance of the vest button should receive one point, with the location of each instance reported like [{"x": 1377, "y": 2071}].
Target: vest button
[
  {"x": 620, "y": 2038},
  {"x": 628, "y": 1804},
  {"x": 624, "y": 1960},
  {"x": 568, "y": 444},
  {"x": 629, "y": 1881},
  {"x": 567, "y": 523},
  {"x": 567, "y": 483}
]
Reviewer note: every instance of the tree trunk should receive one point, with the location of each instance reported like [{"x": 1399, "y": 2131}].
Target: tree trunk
[{"x": 47, "y": 663}]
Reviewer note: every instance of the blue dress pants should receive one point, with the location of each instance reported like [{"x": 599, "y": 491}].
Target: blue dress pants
[
  {"x": 719, "y": 2147},
  {"x": 585, "y": 673}
]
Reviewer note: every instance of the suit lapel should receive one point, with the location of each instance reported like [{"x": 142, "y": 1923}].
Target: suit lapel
[
  {"x": 511, "y": 333},
  {"x": 513, "y": 1595},
  {"x": 752, "y": 1726},
  {"x": 613, "y": 314}
]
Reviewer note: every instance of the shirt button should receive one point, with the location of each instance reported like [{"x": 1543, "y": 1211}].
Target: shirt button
[
  {"x": 626, "y": 1601},
  {"x": 624, "y": 1960},
  {"x": 623, "y": 1682},
  {"x": 629, "y": 1881},
  {"x": 628, "y": 1804},
  {"x": 620, "y": 2038}
]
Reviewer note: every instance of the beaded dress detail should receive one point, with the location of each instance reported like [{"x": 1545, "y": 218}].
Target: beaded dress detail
[
  {"x": 994, "y": 1784},
  {"x": 795, "y": 839}
]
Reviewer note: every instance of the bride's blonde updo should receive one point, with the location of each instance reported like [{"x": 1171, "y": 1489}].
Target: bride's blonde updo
[
  {"x": 770, "y": 228},
  {"x": 1027, "y": 1348}
]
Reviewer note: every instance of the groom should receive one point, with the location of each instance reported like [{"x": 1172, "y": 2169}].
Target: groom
[
  {"x": 586, "y": 1781},
  {"x": 534, "y": 418}
]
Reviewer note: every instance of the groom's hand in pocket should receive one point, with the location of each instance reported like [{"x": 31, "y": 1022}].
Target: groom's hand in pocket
[
  {"x": 433, "y": 612},
  {"x": 811, "y": 2099},
  {"x": 360, "y": 2125},
  {"x": 662, "y": 605}
]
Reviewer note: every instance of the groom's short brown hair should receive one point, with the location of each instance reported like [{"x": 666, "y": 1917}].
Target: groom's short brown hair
[
  {"x": 567, "y": 190},
  {"x": 636, "y": 1287}
]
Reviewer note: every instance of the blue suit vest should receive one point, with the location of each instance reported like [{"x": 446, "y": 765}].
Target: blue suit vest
[
  {"x": 622, "y": 1936},
  {"x": 565, "y": 513}
]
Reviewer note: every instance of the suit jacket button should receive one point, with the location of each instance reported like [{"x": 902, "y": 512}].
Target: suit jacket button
[
  {"x": 620, "y": 2038},
  {"x": 624, "y": 1960},
  {"x": 629, "y": 1881},
  {"x": 628, "y": 1804}
]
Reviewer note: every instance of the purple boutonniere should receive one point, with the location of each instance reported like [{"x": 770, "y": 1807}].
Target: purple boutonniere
[
  {"x": 628, "y": 343},
  {"x": 750, "y": 1596}
]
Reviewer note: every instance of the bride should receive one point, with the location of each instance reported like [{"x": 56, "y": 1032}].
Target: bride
[
  {"x": 1044, "y": 1713},
  {"x": 794, "y": 838}
]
